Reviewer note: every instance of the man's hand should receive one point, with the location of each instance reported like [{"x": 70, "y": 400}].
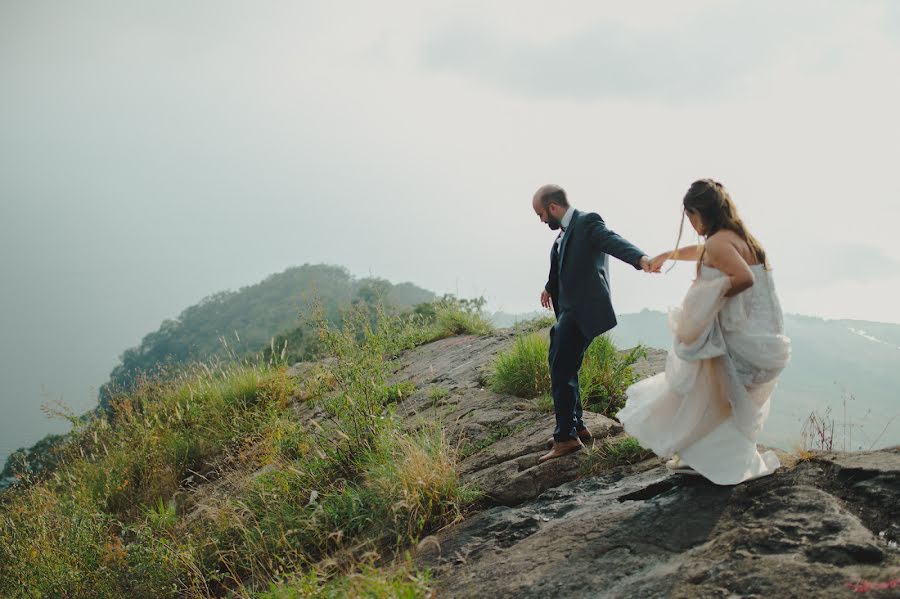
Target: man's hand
[
  {"x": 646, "y": 266},
  {"x": 546, "y": 300}
]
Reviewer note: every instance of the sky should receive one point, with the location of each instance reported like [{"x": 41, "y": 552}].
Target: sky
[{"x": 154, "y": 153}]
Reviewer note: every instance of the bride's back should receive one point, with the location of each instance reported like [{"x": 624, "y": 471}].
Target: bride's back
[{"x": 740, "y": 245}]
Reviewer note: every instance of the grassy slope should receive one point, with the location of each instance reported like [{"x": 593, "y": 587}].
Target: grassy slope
[{"x": 328, "y": 510}]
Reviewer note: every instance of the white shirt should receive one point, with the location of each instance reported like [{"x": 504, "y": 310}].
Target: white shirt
[{"x": 564, "y": 222}]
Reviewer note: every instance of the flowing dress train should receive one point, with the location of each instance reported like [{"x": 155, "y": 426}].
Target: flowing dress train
[{"x": 713, "y": 398}]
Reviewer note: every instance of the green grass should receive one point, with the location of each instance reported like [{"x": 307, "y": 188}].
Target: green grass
[
  {"x": 455, "y": 322},
  {"x": 607, "y": 455},
  {"x": 543, "y": 403},
  {"x": 118, "y": 516},
  {"x": 523, "y": 370},
  {"x": 400, "y": 583},
  {"x": 400, "y": 391},
  {"x": 103, "y": 522},
  {"x": 605, "y": 374},
  {"x": 437, "y": 393},
  {"x": 446, "y": 317},
  {"x": 535, "y": 324}
]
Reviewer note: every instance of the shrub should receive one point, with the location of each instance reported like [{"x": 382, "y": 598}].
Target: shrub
[
  {"x": 523, "y": 370},
  {"x": 436, "y": 394},
  {"x": 400, "y": 391},
  {"x": 452, "y": 322},
  {"x": 34, "y": 462},
  {"x": 418, "y": 486},
  {"x": 605, "y": 375},
  {"x": 535, "y": 324},
  {"x": 447, "y": 317}
]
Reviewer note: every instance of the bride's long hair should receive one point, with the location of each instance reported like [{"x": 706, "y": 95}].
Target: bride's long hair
[{"x": 710, "y": 200}]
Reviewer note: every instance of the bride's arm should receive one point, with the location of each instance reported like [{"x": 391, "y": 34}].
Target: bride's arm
[{"x": 689, "y": 252}]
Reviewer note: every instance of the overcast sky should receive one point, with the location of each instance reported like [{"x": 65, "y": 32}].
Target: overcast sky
[{"x": 153, "y": 153}]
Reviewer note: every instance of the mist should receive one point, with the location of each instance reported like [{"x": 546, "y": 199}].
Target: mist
[{"x": 154, "y": 154}]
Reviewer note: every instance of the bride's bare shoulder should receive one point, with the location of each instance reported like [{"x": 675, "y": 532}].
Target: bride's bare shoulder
[
  {"x": 723, "y": 236},
  {"x": 724, "y": 242},
  {"x": 720, "y": 241},
  {"x": 724, "y": 239}
]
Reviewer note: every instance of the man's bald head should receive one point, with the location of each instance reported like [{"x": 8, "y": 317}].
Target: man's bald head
[
  {"x": 550, "y": 194},
  {"x": 550, "y": 204}
]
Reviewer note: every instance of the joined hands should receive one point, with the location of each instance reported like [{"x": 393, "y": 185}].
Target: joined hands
[
  {"x": 657, "y": 262},
  {"x": 653, "y": 265}
]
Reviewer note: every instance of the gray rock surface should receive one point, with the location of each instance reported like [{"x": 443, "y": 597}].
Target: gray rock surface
[
  {"x": 810, "y": 530},
  {"x": 501, "y": 435},
  {"x": 652, "y": 534}
]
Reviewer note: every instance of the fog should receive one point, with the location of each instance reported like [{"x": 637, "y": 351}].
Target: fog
[{"x": 154, "y": 153}]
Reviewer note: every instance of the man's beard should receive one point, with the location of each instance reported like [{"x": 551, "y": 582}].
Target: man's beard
[{"x": 553, "y": 222}]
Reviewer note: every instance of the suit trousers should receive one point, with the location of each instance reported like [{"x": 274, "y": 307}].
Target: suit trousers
[{"x": 567, "y": 347}]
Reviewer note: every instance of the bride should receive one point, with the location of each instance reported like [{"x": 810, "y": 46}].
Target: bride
[{"x": 706, "y": 410}]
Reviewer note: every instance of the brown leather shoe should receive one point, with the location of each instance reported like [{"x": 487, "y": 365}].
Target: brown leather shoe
[
  {"x": 560, "y": 449},
  {"x": 584, "y": 434}
]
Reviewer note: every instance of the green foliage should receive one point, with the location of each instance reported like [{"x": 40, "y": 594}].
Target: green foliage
[
  {"x": 543, "y": 403},
  {"x": 436, "y": 394},
  {"x": 401, "y": 583},
  {"x": 363, "y": 483},
  {"x": 535, "y": 324},
  {"x": 451, "y": 316},
  {"x": 36, "y": 461},
  {"x": 244, "y": 322},
  {"x": 605, "y": 375},
  {"x": 102, "y": 524},
  {"x": 400, "y": 391},
  {"x": 612, "y": 454},
  {"x": 119, "y": 517},
  {"x": 455, "y": 322},
  {"x": 167, "y": 430},
  {"x": 417, "y": 488},
  {"x": 523, "y": 370},
  {"x": 163, "y": 515}
]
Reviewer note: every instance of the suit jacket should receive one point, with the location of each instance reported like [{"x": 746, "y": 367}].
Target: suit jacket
[{"x": 579, "y": 272}]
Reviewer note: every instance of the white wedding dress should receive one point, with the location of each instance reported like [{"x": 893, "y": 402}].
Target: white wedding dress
[{"x": 709, "y": 405}]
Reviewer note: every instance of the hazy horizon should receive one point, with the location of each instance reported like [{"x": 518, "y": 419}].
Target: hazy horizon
[{"x": 153, "y": 154}]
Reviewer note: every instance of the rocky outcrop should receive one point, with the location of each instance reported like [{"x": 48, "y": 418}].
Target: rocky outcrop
[
  {"x": 815, "y": 528},
  {"x": 808, "y": 531},
  {"x": 502, "y": 436}
]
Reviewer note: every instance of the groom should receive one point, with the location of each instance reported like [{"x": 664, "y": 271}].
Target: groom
[{"x": 578, "y": 292}]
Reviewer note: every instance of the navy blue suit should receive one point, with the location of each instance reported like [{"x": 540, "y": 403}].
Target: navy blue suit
[{"x": 579, "y": 287}]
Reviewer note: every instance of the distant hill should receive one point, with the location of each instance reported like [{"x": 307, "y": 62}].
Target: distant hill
[
  {"x": 243, "y": 322},
  {"x": 503, "y": 320},
  {"x": 843, "y": 365}
]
